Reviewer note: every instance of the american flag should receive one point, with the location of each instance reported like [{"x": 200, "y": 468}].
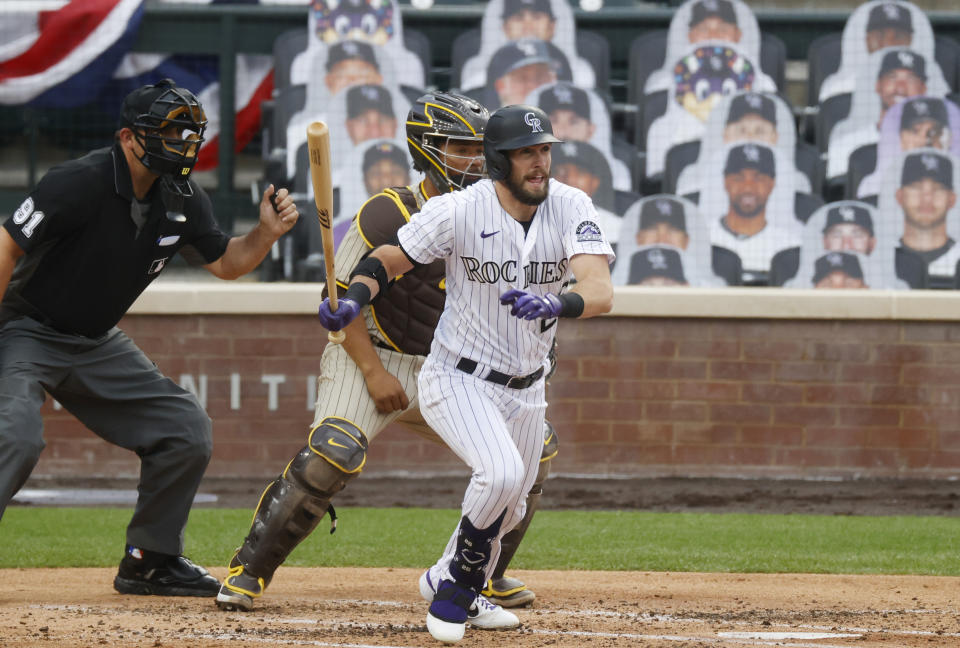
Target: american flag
[{"x": 64, "y": 54}]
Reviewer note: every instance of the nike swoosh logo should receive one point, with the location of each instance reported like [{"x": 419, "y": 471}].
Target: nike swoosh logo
[
  {"x": 485, "y": 235},
  {"x": 168, "y": 240},
  {"x": 337, "y": 445}
]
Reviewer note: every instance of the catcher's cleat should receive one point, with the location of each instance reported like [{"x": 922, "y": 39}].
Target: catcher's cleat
[
  {"x": 238, "y": 590},
  {"x": 508, "y": 592},
  {"x": 481, "y": 614},
  {"x": 149, "y": 573}
]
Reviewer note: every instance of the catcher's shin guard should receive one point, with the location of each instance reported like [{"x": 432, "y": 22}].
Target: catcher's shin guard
[
  {"x": 511, "y": 592},
  {"x": 292, "y": 506}
]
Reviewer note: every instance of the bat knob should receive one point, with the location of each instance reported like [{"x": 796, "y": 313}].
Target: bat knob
[{"x": 336, "y": 337}]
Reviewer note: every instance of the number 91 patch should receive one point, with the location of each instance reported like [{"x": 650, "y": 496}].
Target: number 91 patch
[
  {"x": 588, "y": 231},
  {"x": 27, "y": 218}
]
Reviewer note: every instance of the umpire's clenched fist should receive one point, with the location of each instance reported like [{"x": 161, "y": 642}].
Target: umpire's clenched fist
[{"x": 347, "y": 309}]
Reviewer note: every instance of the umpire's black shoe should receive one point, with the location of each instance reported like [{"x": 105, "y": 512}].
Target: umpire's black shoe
[{"x": 148, "y": 572}]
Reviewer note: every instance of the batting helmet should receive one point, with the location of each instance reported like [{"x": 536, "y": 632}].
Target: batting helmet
[
  {"x": 438, "y": 116},
  {"x": 510, "y": 128},
  {"x": 168, "y": 122}
]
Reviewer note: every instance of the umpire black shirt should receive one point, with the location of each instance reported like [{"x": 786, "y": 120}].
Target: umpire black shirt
[{"x": 91, "y": 248}]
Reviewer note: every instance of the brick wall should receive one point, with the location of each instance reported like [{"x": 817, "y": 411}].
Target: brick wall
[{"x": 632, "y": 396}]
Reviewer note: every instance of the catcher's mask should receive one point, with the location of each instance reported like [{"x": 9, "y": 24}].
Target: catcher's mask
[
  {"x": 435, "y": 118},
  {"x": 168, "y": 122},
  {"x": 511, "y": 128}
]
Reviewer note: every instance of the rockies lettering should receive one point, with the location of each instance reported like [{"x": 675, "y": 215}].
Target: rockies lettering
[{"x": 491, "y": 272}]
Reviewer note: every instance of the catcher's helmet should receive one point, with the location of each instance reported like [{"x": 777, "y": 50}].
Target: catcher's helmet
[
  {"x": 168, "y": 122},
  {"x": 510, "y": 128},
  {"x": 443, "y": 115}
]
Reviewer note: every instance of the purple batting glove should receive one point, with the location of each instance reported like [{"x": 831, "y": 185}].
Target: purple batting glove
[
  {"x": 511, "y": 296},
  {"x": 347, "y": 309},
  {"x": 529, "y": 307}
]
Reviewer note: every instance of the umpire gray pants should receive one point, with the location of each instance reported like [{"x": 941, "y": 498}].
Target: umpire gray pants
[{"x": 111, "y": 386}]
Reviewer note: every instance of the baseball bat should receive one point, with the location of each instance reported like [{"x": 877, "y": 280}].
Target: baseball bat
[{"x": 318, "y": 143}]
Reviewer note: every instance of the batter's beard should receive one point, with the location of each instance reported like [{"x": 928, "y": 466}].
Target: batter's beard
[{"x": 532, "y": 198}]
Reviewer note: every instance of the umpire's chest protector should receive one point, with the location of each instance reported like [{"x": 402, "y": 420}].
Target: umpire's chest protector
[{"x": 408, "y": 313}]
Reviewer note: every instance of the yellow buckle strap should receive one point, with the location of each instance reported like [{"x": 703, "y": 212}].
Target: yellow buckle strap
[{"x": 489, "y": 591}]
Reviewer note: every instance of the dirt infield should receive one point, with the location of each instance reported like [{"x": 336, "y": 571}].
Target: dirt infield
[
  {"x": 360, "y": 608},
  {"x": 357, "y": 608}
]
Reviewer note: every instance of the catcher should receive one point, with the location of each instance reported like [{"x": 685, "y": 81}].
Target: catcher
[{"x": 371, "y": 380}]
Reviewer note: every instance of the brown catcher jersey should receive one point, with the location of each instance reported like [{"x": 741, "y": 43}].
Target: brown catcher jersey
[{"x": 407, "y": 314}]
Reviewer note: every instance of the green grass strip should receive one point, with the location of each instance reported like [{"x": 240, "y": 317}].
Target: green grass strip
[{"x": 627, "y": 540}]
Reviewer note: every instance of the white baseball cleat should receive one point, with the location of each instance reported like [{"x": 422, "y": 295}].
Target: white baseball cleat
[
  {"x": 482, "y": 614},
  {"x": 445, "y": 631},
  {"x": 487, "y": 616}
]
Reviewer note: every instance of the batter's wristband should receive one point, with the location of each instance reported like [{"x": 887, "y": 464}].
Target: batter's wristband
[
  {"x": 358, "y": 292},
  {"x": 572, "y": 305}
]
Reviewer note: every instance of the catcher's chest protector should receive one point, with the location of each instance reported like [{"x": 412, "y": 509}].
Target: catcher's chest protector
[{"x": 408, "y": 313}]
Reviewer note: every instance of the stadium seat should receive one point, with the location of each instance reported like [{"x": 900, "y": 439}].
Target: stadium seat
[
  {"x": 804, "y": 204},
  {"x": 823, "y": 59},
  {"x": 862, "y": 162},
  {"x": 595, "y": 47},
  {"x": 627, "y": 153},
  {"x": 286, "y": 103},
  {"x": 679, "y": 157},
  {"x": 808, "y": 161},
  {"x": 773, "y": 59},
  {"x": 831, "y": 112},
  {"x": 419, "y": 43},
  {"x": 646, "y": 55},
  {"x": 623, "y": 200},
  {"x": 650, "y": 108},
  {"x": 947, "y": 52},
  {"x": 286, "y": 48}
]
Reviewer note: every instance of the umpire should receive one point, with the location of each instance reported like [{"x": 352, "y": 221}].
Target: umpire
[{"x": 73, "y": 258}]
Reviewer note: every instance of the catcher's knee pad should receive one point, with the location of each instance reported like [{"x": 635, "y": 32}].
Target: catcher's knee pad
[
  {"x": 343, "y": 449},
  {"x": 293, "y": 505}
]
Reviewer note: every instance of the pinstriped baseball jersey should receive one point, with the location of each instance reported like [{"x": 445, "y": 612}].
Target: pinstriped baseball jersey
[{"x": 487, "y": 252}]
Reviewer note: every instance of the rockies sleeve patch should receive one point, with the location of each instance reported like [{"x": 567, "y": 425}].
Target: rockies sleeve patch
[{"x": 588, "y": 231}]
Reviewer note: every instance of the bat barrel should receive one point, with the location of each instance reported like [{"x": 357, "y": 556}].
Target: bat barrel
[{"x": 318, "y": 145}]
